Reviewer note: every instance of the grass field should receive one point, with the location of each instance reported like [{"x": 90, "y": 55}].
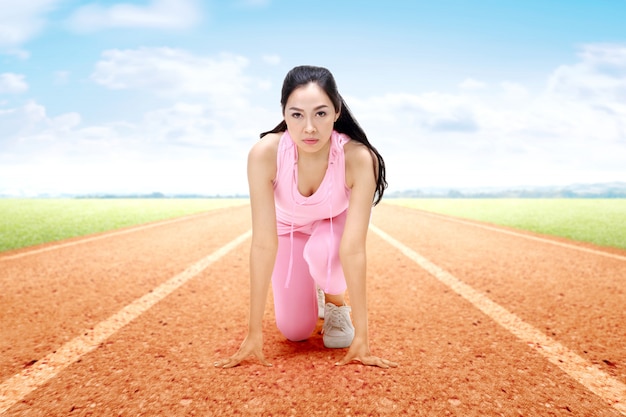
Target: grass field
[
  {"x": 28, "y": 222},
  {"x": 598, "y": 221}
]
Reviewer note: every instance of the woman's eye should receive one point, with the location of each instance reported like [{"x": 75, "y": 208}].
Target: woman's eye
[
  {"x": 296, "y": 115},
  {"x": 321, "y": 113}
]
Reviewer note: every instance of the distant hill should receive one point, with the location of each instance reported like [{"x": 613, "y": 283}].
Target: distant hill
[
  {"x": 597, "y": 190},
  {"x": 122, "y": 195}
]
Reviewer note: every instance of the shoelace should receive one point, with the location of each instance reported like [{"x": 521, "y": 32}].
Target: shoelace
[{"x": 337, "y": 318}]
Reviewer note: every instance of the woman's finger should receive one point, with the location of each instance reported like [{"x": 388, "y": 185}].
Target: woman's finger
[
  {"x": 391, "y": 364},
  {"x": 231, "y": 363},
  {"x": 236, "y": 360},
  {"x": 227, "y": 363},
  {"x": 369, "y": 361},
  {"x": 264, "y": 361},
  {"x": 346, "y": 359},
  {"x": 384, "y": 363}
]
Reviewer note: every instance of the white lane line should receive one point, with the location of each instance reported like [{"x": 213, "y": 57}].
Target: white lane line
[
  {"x": 523, "y": 235},
  {"x": 594, "y": 379},
  {"x": 19, "y": 386},
  {"x": 99, "y": 237}
]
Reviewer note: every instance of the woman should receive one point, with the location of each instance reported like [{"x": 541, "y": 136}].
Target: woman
[{"x": 313, "y": 180}]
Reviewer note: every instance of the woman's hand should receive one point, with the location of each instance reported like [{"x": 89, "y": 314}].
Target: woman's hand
[
  {"x": 252, "y": 345},
  {"x": 359, "y": 351}
]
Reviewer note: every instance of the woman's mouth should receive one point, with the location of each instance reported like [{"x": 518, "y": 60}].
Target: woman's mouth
[{"x": 310, "y": 141}]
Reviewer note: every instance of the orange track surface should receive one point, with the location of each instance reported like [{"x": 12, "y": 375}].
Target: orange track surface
[{"x": 454, "y": 359}]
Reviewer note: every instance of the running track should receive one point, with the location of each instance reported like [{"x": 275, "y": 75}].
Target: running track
[{"x": 484, "y": 321}]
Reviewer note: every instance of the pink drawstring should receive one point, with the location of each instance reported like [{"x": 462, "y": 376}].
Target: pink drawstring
[
  {"x": 293, "y": 211},
  {"x": 293, "y": 215},
  {"x": 294, "y": 184},
  {"x": 332, "y": 234}
]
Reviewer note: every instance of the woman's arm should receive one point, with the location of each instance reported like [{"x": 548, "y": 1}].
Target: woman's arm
[
  {"x": 360, "y": 177},
  {"x": 261, "y": 172}
]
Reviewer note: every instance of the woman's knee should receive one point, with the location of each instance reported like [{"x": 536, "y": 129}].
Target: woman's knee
[{"x": 296, "y": 330}]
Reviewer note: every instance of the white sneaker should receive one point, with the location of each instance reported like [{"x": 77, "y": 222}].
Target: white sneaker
[
  {"x": 338, "y": 330},
  {"x": 321, "y": 300}
]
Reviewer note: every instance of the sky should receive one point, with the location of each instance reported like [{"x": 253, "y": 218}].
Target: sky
[{"x": 143, "y": 96}]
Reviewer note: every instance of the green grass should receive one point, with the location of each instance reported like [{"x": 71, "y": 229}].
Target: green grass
[
  {"x": 598, "y": 221},
  {"x": 28, "y": 222}
]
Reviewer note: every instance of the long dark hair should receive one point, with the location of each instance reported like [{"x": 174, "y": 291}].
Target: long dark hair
[{"x": 346, "y": 123}]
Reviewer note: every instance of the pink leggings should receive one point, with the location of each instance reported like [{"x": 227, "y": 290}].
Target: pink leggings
[{"x": 296, "y": 306}]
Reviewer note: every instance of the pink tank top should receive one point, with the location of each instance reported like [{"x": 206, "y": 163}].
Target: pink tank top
[{"x": 295, "y": 212}]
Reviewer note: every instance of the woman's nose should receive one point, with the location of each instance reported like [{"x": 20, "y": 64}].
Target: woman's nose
[{"x": 309, "y": 128}]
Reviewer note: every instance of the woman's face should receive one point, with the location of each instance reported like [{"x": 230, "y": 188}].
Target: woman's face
[{"x": 310, "y": 117}]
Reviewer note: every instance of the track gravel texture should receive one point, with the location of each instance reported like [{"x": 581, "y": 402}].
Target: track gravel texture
[{"x": 129, "y": 324}]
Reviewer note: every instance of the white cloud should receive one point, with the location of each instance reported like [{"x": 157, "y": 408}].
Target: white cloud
[
  {"x": 210, "y": 114},
  {"x": 182, "y": 148},
  {"x": 29, "y": 125},
  {"x": 470, "y": 84},
  {"x": 196, "y": 143},
  {"x": 271, "y": 59},
  {"x": 158, "y": 14},
  {"x": 20, "y": 21},
  {"x": 574, "y": 130},
  {"x": 12, "y": 83},
  {"x": 191, "y": 125},
  {"x": 173, "y": 72},
  {"x": 599, "y": 77},
  {"x": 513, "y": 90},
  {"x": 428, "y": 112},
  {"x": 264, "y": 85}
]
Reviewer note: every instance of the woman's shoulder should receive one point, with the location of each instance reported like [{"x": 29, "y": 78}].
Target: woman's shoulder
[
  {"x": 356, "y": 153},
  {"x": 262, "y": 159},
  {"x": 267, "y": 147},
  {"x": 359, "y": 160}
]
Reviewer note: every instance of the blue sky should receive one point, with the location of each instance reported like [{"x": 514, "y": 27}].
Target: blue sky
[{"x": 169, "y": 95}]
